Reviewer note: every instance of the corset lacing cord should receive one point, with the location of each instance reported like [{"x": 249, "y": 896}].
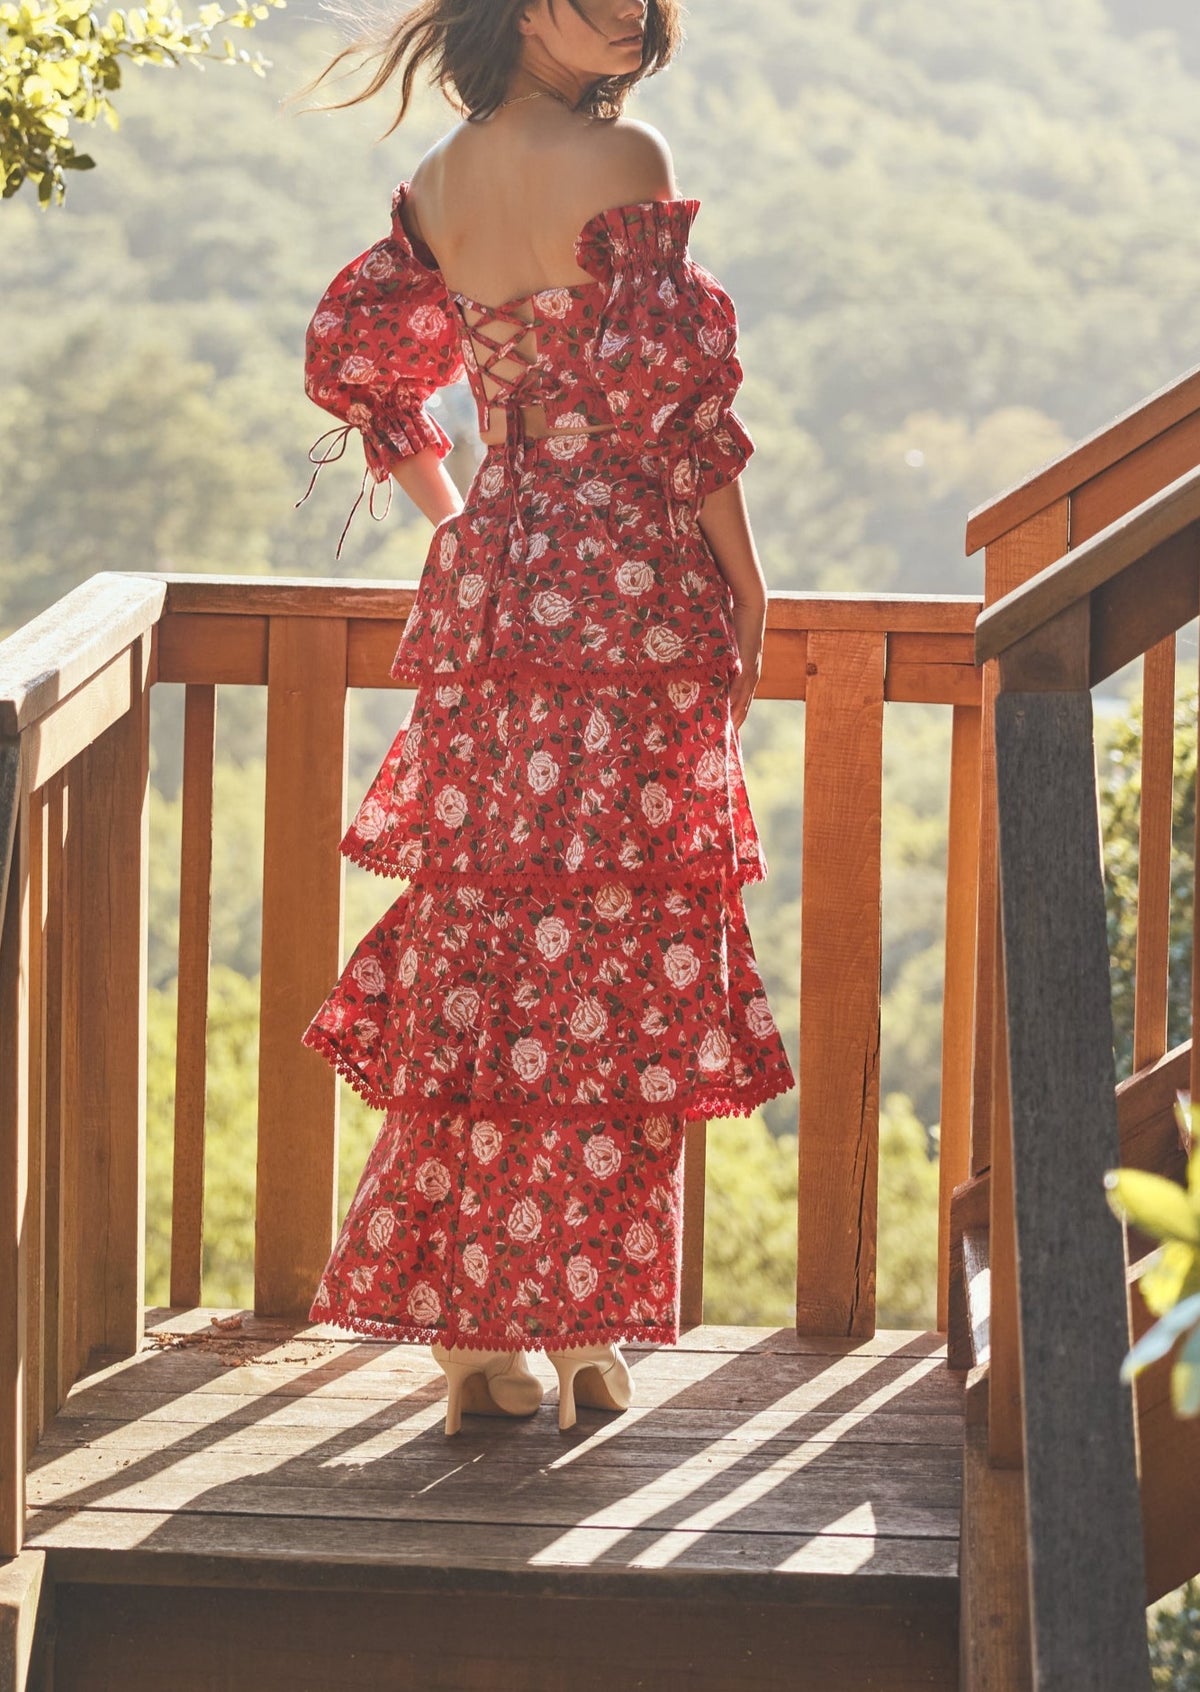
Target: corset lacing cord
[{"x": 514, "y": 444}]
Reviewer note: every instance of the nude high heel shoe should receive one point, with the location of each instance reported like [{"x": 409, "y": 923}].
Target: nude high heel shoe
[
  {"x": 595, "y": 1375},
  {"x": 486, "y": 1383}
]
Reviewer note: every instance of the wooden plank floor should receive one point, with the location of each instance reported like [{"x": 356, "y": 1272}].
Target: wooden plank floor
[{"x": 801, "y": 1470}]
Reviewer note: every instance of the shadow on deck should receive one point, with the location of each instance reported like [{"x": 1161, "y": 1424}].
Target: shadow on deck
[{"x": 251, "y": 1492}]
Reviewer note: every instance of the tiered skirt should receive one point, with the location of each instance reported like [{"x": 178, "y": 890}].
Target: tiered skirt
[{"x": 567, "y": 976}]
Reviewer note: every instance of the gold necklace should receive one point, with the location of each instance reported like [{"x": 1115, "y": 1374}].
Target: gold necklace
[{"x": 551, "y": 93}]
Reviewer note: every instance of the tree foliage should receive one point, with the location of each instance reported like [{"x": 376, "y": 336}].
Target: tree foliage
[
  {"x": 1170, "y": 1283},
  {"x": 930, "y": 241},
  {"x": 752, "y": 1217},
  {"x": 1175, "y": 1640},
  {"x": 60, "y": 66},
  {"x": 227, "y": 1264},
  {"x": 1119, "y": 748}
]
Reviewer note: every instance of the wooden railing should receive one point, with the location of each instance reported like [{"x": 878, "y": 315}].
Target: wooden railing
[
  {"x": 74, "y": 695},
  {"x": 1089, "y": 565},
  {"x": 74, "y": 752}
]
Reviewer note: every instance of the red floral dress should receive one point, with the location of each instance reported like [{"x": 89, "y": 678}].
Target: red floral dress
[{"x": 567, "y": 975}]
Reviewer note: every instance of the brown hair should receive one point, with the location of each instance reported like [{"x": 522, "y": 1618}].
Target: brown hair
[{"x": 472, "y": 47}]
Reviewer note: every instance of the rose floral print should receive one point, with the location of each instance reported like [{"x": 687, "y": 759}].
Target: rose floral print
[
  {"x": 505, "y": 1232},
  {"x": 567, "y": 975}
]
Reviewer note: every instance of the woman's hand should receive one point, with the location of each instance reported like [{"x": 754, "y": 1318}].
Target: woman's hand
[
  {"x": 750, "y": 624},
  {"x": 725, "y": 524}
]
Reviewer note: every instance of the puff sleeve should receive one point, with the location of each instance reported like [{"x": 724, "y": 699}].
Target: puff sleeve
[
  {"x": 666, "y": 348},
  {"x": 381, "y": 341}
]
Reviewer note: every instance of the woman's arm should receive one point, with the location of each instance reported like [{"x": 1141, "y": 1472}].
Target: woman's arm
[
  {"x": 427, "y": 483},
  {"x": 725, "y": 525}
]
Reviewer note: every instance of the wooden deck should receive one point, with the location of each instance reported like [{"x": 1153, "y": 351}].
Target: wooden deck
[{"x": 265, "y": 1474}]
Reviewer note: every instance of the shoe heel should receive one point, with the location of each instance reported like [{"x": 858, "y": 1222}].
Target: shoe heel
[
  {"x": 454, "y": 1398},
  {"x": 458, "y": 1371},
  {"x": 469, "y": 1387},
  {"x": 605, "y": 1381},
  {"x": 566, "y": 1370}
]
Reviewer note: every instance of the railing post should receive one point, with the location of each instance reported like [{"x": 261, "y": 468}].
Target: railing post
[
  {"x": 112, "y": 915},
  {"x": 36, "y": 1287},
  {"x": 841, "y": 937},
  {"x": 296, "y": 1195},
  {"x": 1151, "y": 974},
  {"x": 958, "y": 990},
  {"x": 192, "y": 983},
  {"x": 695, "y": 1161},
  {"x": 1087, "y": 1610},
  {"x": 1011, "y": 560},
  {"x": 54, "y": 1059},
  {"x": 73, "y": 1268}
]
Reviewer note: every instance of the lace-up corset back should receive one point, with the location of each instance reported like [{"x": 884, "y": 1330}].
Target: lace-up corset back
[
  {"x": 644, "y": 354},
  {"x": 501, "y": 354},
  {"x": 528, "y": 356}
]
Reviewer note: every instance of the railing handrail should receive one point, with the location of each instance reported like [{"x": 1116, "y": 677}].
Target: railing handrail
[
  {"x": 70, "y": 642},
  {"x": 1123, "y": 545},
  {"x": 1088, "y": 458},
  {"x": 324, "y": 596}
]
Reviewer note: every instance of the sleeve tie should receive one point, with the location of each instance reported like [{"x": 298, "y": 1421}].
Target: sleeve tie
[{"x": 337, "y": 439}]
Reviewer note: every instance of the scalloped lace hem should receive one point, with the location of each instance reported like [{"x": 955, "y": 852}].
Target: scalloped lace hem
[
  {"x": 405, "y": 1333},
  {"x": 699, "y": 1106},
  {"x": 743, "y": 873},
  {"x": 417, "y": 672}
]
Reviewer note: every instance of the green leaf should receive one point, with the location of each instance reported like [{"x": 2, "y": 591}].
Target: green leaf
[
  {"x": 1158, "y": 1340},
  {"x": 1152, "y": 1203},
  {"x": 1185, "y": 1378},
  {"x": 79, "y": 161}
]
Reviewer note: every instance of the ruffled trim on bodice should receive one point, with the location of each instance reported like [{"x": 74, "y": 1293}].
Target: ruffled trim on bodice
[
  {"x": 412, "y": 248},
  {"x": 633, "y": 237},
  {"x": 633, "y": 240}
]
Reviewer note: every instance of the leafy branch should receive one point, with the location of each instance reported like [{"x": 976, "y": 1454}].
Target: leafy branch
[{"x": 60, "y": 65}]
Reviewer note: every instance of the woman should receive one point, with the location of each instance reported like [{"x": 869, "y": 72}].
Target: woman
[{"x": 568, "y": 976}]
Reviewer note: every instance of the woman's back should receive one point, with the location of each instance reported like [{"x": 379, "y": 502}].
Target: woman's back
[{"x": 501, "y": 203}]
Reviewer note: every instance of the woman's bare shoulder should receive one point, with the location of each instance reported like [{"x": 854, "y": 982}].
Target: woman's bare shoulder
[
  {"x": 581, "y": 168},
  {"x": 434, "y": 158},
  {"x": 629, "y": 161}
]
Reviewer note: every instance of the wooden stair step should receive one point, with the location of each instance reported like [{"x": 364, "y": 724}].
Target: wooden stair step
[{"x": 236, "y": 1503}]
